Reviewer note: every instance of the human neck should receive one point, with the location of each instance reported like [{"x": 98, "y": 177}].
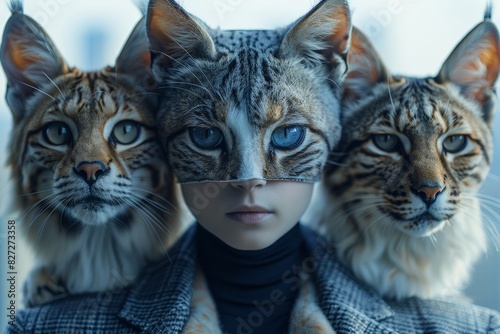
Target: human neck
[{"x": 244, "y": 282}]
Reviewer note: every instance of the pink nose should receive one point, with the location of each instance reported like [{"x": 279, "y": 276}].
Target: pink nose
[
  {"x": 430, "y": 192},
  {"x": 90, "y": 171}
]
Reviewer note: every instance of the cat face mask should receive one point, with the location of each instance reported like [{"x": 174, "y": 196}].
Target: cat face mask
[{"x": 242, "y": 105}]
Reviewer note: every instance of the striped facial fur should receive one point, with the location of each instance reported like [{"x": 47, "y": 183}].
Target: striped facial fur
[
  {"x": 400, "y": 194},
  {"x": 242, "y": 105},
  {"x": 92, "y": 184},
  {"x": 88, "y": 150}
]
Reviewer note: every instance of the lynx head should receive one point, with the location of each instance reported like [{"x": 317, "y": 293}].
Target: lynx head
[
  {"x": 83, "y": 148},
  {"x": 414, "y": 150},
  {"x": 249, "y": 104},
  {"x": 400, "y": 198}
]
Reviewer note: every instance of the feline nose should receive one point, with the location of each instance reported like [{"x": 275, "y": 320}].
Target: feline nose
[
  {"x": 429, "y": 194},
  {"x": 90, "y": 171}
]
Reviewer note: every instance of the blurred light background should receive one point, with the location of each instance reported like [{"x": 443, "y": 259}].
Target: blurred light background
[{"x": 414, "y": 37}]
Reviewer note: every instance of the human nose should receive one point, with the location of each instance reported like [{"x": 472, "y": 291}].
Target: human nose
[{"x": 248, "y": 185}]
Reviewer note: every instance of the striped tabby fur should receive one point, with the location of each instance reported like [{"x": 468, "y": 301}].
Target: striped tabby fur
[
  {"x": 96, "y": 201},
  {"x": 399, "y": 199},
  {"x": 247, "y": 86}
]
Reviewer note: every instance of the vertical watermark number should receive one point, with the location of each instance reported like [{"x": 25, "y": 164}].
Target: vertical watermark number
[{"x": 11, "y": 271}]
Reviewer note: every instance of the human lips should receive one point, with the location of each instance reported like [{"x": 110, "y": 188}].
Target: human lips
[{"x": 249, "y": 214}]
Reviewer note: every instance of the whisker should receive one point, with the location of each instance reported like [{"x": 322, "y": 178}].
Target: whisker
[
  {"x": 336, "y": 163},
  {"x": 155, "y": 205},
  {"x": 347, "y": 212},
  {"x": 371, "y": 224},
  {"x": 36, "y": 192},
  {"x": 186, "y": 90},
  {"x": 189, "y": 84},
  {"x": 390, "y": 97},
  {"x": 139, "y": 94},
  {"x": 41, "y": 204},
  {"x": 341, "y": 154},
  {"x": 488, "y": 225},
  {"x": 57, "y": 87},
  {"x": 187, "y": 68},
  {"x": 493, "y": 177},
  {"x": 194, "y": 61},
  {"x": 91, "y": 96},
  {"x": 148, "y": 219},
  {"x": 334, "y": 82},
  {"x": 150, "y": 214},
  {"x": 45, "y": 221},
  {"x": 39, "y": 90}
]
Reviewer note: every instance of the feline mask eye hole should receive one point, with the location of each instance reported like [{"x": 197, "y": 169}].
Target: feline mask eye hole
[
  {"x": 206, "y": 138},
  {"x": 454, "y": 144},
  {"x": 126, "y": 132},
  {"x": 288, "y": 137},
  {"x": 57, "y": 133},
  {"x": 386, "y": 142}
]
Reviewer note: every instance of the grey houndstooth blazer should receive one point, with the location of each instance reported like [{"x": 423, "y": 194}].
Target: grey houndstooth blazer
[{"x": 159, "y": 302}]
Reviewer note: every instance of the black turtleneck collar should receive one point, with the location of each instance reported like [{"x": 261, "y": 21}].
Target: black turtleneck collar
[{"x": 254, "y": 291}]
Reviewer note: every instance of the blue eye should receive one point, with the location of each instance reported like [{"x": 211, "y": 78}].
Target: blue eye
[
  {"x": 206, "y": 138},
  {"x": 288, "y": 137},
  {"x": 386, "y": 142}
]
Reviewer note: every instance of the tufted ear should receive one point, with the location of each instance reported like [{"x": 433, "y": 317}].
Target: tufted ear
[
  {"x": 473, "y": 66},
  {"x": 175, "y": 35},
  {"x": 322, "y": 36},
  {"x": 135, "y": 58},
  {"x": 29, "y": 58},
  {"x": 365, "y": 68}
]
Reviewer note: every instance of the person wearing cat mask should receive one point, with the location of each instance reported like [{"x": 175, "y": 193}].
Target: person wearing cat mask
[{"x": 248, "y": 120}]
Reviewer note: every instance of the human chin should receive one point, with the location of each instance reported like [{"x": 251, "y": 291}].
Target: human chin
[{"x": 249, "y": 236}]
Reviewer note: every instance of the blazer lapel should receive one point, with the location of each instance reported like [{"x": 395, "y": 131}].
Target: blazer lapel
[
  {"x": 160, "y": 301},
  {"x": 348, "y": 305}
]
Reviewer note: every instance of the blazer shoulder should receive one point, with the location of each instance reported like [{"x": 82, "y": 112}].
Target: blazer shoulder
[
  {"x": 61, "y": 316},
  {"x": 15, "y": 326},
  {"x": 450, "y": 315}
]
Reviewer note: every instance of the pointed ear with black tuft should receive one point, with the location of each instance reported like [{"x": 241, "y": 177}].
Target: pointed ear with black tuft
[
  {"x": 322, "y": 36},
  {"x": 473, "y": 66},
  {"x": 29, "y": 58},
  {"x": 135, "y": 58},
  {"x": 365, "y": 68},
  {"x": 175, "y": 35}
]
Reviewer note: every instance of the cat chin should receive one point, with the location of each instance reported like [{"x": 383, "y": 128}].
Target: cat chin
[
  {"x": 421, "y": 228},
  {"x": 98, "y": 215}
]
